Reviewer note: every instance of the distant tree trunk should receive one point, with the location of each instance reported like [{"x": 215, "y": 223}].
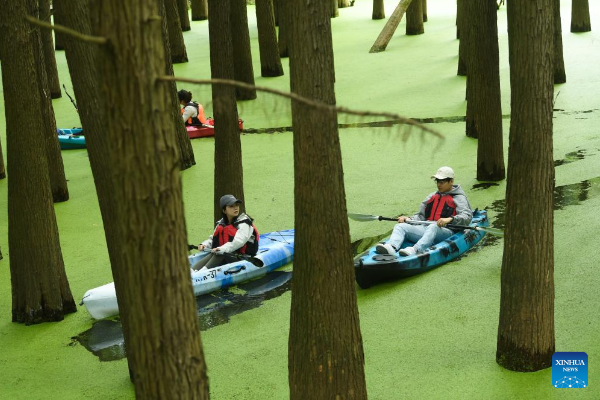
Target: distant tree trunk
[
  {"x": 242, "y": 59},
  {"x": 326, "y": 358},
  {"x": 457, "y": 18},
  {"x": 199, "y": 10},
  {"x": 580, "y": 16},
  {"x": 150, "y": 208},
  {"x": 463, "y": 22},
  {"x": 185, "y": 147},
  {"x": 229, "y": 176},
  {"x": 334, "y": 9},
  {"x": 184, "y": 16},
  {"x": 560, "y": 75},
  {"x": 48, "y": 46},
  {"x": 2, "y": 168},
  {"x": 414, "y": 18},
  {"x": 178, "y": 51},
  {"x": 484, "y": 94},
  {"x": 58, "y": 37},
  {"x": 343, "y": 3},
  {"x": 390, "y": 27},
  {"x": 270, "y": 63},
  {"x": 526, "y": 327},
  {"x": 40, "y": 290},
  {"x": 424, "y": 10},
  {"x": 283, "y": 28},
  {"x": 276, "y": 11},
  {"x": 378, "y": 10}
]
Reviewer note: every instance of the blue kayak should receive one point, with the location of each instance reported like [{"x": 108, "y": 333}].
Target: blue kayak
[
  {"x": 275, "y": 250},
  {"x": 372, "y": 268},
  {"x": 71, "y": 138}
]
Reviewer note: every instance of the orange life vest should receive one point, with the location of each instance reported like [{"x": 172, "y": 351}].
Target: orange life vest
[{"x": 198, "y": 119}]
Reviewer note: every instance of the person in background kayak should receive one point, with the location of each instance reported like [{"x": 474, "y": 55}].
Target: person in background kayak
[
  {"x": 449, "y": 205},
  {"x": 234, "y": 232},
  {"x": 193, "y": 113}
]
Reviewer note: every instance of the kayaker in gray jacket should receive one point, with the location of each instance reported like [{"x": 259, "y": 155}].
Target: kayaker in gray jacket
[{"x": 449, "y": 205}]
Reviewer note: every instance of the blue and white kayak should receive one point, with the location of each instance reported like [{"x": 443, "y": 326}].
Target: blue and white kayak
[
  {"x": 71, "y": 138},
  {"x": 275, "y": 250},
  {"x": 372, "y": 268}
]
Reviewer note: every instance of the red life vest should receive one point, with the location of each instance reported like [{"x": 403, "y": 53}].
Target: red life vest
[
  {"x": 225, "y": 233},
  {"x": 440, "y": 206}
]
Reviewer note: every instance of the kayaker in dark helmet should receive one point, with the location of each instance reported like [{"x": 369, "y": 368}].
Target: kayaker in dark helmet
[
  {"x": 449, "y": 205},
  {"x": 234, "y": 232},
  {"x": 193, "y": 113}
]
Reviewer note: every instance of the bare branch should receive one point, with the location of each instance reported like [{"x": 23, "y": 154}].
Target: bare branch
[
  {"x": 66, "y": 31},
  {"x": 304, "y": 100}
]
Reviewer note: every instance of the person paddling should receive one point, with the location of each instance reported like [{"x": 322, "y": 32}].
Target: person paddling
[
  {"x": 192, "y": 112},
  {"x": 235, "y": 232},
  {"x": 449, "y": 205}
]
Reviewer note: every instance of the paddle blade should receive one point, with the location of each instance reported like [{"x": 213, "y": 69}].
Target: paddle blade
[
  {"x": 492, "y": 231},
  {"x": 363, "y": 217}
]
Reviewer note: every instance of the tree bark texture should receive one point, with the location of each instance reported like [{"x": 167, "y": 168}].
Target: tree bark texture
[
  {"x": 184, "y": 16},
  {"x": 414, "y": 18},
  {"x": 40, "y": 290},
  {"x": 187, "y": 159},
  {"x": 199, "y": 10},
  {"x": 485, "y": 119},
  {"x": 162, "y": 333},
  {"x": 580, "y": 16},
  {"x": 48, "y": 47},
  {"x": 335, "y": 12},
  {"x": 229, "y": 176},
  {"x": 58, "y": 37},
  {"x": 378, "y": 10},
  {"x": 526, "y": 326},
  {"x": 283, "y": 39},
  {"x": 560, "y": 75},
  {"x": 242, "y": 59},
  {"x": 326, "y": 358},
  {"x": 424, "y": 10},
  {"x": 178, "y": 51},
  {"x": 463, "y": 20},
  {"x": 390, "y": 27},
  {"x": 270, "y": 63}
]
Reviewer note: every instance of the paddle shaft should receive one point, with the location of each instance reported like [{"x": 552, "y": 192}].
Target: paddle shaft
[{"x": 251, "y": 259}]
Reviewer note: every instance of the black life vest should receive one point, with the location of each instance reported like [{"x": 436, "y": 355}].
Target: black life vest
[
  {"x": 193, "y": 121},
  {"x": 440, "y": 206},
  {"x": 225, "y": 233}
]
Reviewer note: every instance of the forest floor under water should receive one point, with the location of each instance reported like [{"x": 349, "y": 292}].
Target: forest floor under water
[{"x": 427, "y": 337}]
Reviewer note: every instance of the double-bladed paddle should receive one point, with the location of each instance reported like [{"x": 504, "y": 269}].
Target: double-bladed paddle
[
  {"x": 256, "y": 261},
  {"x": 367, "y": 217}
]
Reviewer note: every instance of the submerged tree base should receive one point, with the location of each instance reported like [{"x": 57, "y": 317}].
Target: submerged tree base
[
  {"x": 581, "y": 28},
  {"x": 42, "y": 314},
  {"x": 268, "y": 72},
  {"x": 518, "y": 359}
]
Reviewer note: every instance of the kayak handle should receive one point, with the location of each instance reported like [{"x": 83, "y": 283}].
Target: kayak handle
[{"x": 235, "y": 270}]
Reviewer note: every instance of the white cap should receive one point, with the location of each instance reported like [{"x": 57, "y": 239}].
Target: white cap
[{"x": 444, "y": 173}]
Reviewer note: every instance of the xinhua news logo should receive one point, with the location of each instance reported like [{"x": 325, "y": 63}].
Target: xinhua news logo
[{"x": 570, "y": 370}]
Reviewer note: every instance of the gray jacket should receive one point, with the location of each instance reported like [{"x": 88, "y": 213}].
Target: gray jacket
[{"x": 464, "y": 214}]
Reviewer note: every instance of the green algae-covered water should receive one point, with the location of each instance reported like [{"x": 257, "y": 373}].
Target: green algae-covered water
[{"x": 427, "y": 337}]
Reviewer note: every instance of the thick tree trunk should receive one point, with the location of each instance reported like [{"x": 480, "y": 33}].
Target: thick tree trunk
[
  {"x": 229, "y": 176},
  {"x": 378, "y": 10},
  {"x": 463, "y": 21},
  {"x": 326, "y": 358},
  {"x": 526, "y": 327},
  {"x": 242, "y": 59},
  {"x": 560, "y": 75},
  {"x": 150, "y": 209},
  {"x": 580, "y": 16},
  {"x": 283, "y": 28},
  {"x": 178, "y": 51},
  {"x": 40, "y": 290},
  {"x": 48, "y": 47},
  {"x": 390, "y": 27},
  {"x": 184, "y": 16},
  {"x": 270, "y": 63},
  {"x": 424, "y": 10},
  {"x": 485, "y": 119},
  {"x": 414, "y": 18},
  {"x": 343, "y": 3},
  {"x": 199, "y": 10},
  {"x": 335, "y": 12},
  {"x": 185, "y": 147}
]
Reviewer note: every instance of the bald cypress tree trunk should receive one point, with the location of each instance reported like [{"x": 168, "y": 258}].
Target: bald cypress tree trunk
[
  {"x": 58, "y": 37},
  {"x": 283, "y": 28},
  {"x": 378, "y": 10},
  {"x": 424, "y": 6},
  {"x": 48, "y": 46},
  {"x": 560, "y": 75},
  {"x": 242, "y": 59},
  {"x": 334, "y": 9},
  {"x": 199, "y": 10},
  {"x": 326, "y": 358},
  {"x": 484, "y": 115},
  {"x": 270, "y": 63},
  {"x": 580, "y": 16},
  {"x": 343, "y": 3},
  {"x": 40, "y": 290},
  {"x": 150, "y": 209},
  {"x": 178, "y": 51},
  {"x": 229, "y": 177},
  {"x": 526, "y": 339},
  {"x": 414, "y": 18},
  {"x": 184, "y": 16},
  {"x": 463, "y": 21}
]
